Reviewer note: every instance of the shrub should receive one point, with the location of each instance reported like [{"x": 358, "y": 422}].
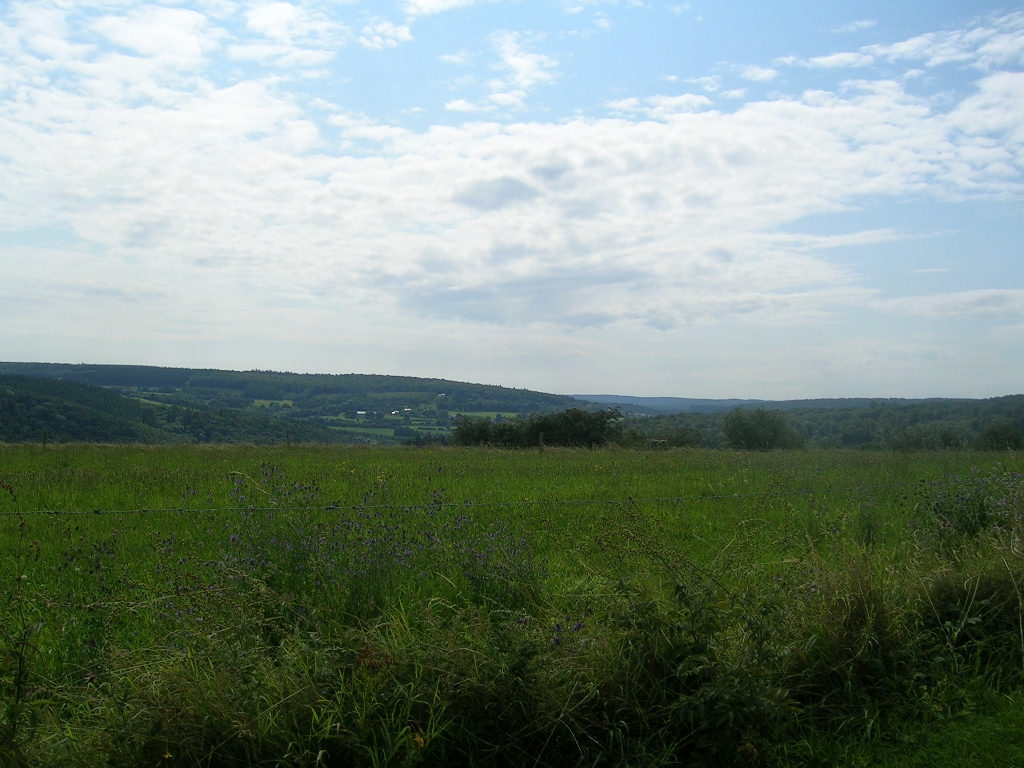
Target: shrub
[
  {"x": 975, "y": 622},
  {"x": 958, "y": 506},
  {"x": 850, "y": 653}
]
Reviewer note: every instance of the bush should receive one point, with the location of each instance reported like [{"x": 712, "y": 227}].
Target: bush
[
  {"x": 574, "y": 428},
  {"x": 958, "y": 506},
  {"x": 975, "y": 623}
]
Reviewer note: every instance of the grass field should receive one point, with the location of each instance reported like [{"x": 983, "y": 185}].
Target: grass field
[{"x": 230, "y": 606}]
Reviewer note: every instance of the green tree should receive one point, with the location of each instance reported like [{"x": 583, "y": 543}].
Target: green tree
[
  {"x": 930, "y": 436},
  {"x": 1000, "y": 435},
  {"x": 574, "y": 427},
  {"x": 759, "y": 430},
  {"x": 470, "y": 431}
]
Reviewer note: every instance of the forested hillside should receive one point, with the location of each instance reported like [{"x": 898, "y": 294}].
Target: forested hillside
[
  {"x": 127, "y": 403},
  {"x": 310, "y": 394},
  {"x": 34, "y": 409},
  {"x": 995, "y": 423},
  {"x": 121, "y": 403},
  {"x": 42, "y": 410}
]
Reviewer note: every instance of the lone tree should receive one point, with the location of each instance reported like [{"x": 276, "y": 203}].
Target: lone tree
[{"x": 759, "y": 430}]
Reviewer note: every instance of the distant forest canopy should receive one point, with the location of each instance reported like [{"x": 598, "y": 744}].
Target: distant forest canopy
[
  {"x": 902, "y": 425},
  {"x": 42, "y": 402}
]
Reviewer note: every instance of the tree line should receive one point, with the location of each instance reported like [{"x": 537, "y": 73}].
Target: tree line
[
  {"x": 759, "y": 429},
  {"x": 991, "y": 424},
  {"x": 571, "y": 428},
  {"x": 217, "y": 406}
]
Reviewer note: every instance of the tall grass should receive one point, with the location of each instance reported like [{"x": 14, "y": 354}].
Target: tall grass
[{"x": 358, "y": 607}]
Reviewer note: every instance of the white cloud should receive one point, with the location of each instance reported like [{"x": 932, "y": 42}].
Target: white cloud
[
  {"x": 667, "y": 223},
  {"x": 172, "y": 36},
  {"x": 461, "y": 105},
  {"x": 660, "y": 107},
  {"x": 415, "y": 8},
  {"x": 759, "y": 74},
  {"x": 1000, "y": 43},
  {"x": 708, "y": 84},
  {"x": 831, "y": 61},
  {"x": 526, "y": 69},
  {"x": 506, "y": 98},
  {"x": 288, "y": 23},
  {"x": 523, "y": 71},
  {"x": 1003, "y": 49},
  {"x": 991, "y": 302},
  {"x": 625, "y": 106},
  {"x": 997, "y": 110},
  {"x": 282, "y": 56},
  {"x": 460, "y": 59},
  {"x": 252, "y": 215},
  {"x": 384, "y": 34},
  {"x": 855, "y": 26},
  {"x": 289, "y": 36},
  {"x": 819, "y": 242},
  {"x": 933, "y": 49}
]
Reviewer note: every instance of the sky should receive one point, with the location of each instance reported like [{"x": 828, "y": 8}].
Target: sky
[{"x": 696, "y": 199}]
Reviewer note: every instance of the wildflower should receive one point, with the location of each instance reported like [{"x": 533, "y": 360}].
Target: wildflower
[{"x": 167, "y": 755}]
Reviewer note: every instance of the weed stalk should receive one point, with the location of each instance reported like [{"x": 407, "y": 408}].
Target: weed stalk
[{"x": 17, "y": 646}]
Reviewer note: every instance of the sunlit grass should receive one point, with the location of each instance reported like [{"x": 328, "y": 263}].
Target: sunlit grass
[{"x": 357, "y": 606}]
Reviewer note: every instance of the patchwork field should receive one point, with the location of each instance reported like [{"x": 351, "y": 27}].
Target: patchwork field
[{"x": 342, "y": 606}]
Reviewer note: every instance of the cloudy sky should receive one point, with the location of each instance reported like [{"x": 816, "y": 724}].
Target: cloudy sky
[{"x": 729, "y": 198}]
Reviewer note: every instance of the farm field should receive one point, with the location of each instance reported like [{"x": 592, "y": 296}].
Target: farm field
[{"x": 345, "y": 606}]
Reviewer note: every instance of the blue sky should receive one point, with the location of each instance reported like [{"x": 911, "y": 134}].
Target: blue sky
[{"x": 729, "y": 199}]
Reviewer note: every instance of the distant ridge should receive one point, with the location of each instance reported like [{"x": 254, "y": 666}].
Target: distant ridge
[
  {"x": 284, "y": 384},
  {"x": 141, "y": 403},
  {"x": 665, "y": 405},
  {"x": 49, "y": 402},
  {"x": 669, "y": 404}
]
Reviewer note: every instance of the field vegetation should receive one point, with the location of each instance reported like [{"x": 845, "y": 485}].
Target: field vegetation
[{"x": 354, "y": 606}]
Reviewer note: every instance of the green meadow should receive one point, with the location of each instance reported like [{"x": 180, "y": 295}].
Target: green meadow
[{"x": 342, "y": 606}]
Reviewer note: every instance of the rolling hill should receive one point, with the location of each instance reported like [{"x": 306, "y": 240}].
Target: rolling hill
[
  {"x": 127, "y": 403},
  {"x": 56, "y": 402}
]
